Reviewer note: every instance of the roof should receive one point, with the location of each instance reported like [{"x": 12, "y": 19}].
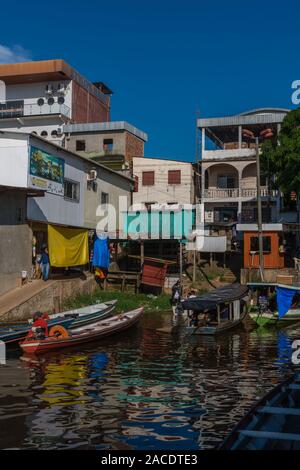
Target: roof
[
  {"x": 103, "y": 87},
  {"x": 224, "y": 129},
  {"x": 111, "y": 126},
  {"x": 216, "y": 297},
  {"x": 165, "y": 160},
  {"x": 46, "y": 70},
  {"x": 254, "y": 227},
  {"x": 74, "y": 154}
]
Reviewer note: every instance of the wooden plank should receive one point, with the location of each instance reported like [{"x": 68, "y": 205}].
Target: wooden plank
[{"x": 278, "y": 436}]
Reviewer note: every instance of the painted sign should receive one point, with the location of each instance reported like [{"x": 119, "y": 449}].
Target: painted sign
[{"x": 46, "y": 171}]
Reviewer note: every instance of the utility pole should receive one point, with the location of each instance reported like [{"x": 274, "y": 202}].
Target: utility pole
[
  {"x": 265, "y": 134},
  {"x": 259, "y": 212}
]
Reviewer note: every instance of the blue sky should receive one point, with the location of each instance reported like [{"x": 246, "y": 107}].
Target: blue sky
[{"x": 166, "y": 60}]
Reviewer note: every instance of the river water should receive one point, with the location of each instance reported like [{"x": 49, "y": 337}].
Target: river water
[{"x": 142, "y": 389}]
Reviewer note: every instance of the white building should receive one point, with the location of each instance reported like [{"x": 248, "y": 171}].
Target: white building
[
  {"x": 40, "y": 184},
  {"x": 160, "y": 181},
  {"x": 42, "y": 96}
]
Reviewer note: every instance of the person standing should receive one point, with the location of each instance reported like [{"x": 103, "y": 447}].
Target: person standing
[{"x": 45, "y": 263}]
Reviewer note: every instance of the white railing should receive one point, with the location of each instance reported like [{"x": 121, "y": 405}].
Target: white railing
[
  {"x": 15, "y": 109},
  {"x": 224, "y": 193},
  {"x": 221, "y": 193}
]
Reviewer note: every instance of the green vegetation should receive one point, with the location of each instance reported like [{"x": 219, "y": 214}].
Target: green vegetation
[
  {"x": 283, "y": 160},
  {"x": 126, "y": 301}
]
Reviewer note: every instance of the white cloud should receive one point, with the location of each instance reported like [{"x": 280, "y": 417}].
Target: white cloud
[{"x": 9, "y": 55}]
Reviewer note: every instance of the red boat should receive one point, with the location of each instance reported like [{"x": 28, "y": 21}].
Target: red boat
[{"x": 84, "y": 334}]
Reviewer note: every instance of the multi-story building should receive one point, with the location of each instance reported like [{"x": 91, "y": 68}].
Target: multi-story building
[
  {"x": 43, "y": 96},
  {"x": 42, "y": 183},
  {"x": 113, "y": 144},
  {"x": 160, "y": 181},
  {"x": 228, "y": 182}
]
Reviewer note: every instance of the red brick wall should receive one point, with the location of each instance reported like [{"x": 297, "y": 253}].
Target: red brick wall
[
  {"x": 134, "y": 147},
  {"x": 87, "y": 108}
]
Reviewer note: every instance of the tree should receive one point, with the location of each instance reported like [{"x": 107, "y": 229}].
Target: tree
[{"x": 283, "y": 161}]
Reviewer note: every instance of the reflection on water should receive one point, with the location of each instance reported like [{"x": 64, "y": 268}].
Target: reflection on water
[{"x": 142, "y": 389}]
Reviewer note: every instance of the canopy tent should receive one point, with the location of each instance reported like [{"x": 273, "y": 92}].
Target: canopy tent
[
  {"x": 218, "y": 296},
  {"x": 68, "y": 246}
]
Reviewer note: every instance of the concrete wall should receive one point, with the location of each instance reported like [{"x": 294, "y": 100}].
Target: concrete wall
[
  {"x": 54, "y": 208},
  {"x": 112, "y": 184},
  {"x": 124, "y": 143},
  {"x": 52, "y": 297},
  {"x": 15, "y": 239},
  {"x": 161, "y": 192}
]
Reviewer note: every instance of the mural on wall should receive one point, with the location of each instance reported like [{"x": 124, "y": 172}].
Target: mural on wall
[{"x": 46, "y": 171}]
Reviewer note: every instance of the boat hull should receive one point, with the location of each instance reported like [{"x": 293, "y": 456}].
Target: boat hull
[
  {"x": 214, "y": 330},
  {"x": 272, "y": 423},
  {"x": 83, "y": 335},
  {"x": 266, "y": 319}
]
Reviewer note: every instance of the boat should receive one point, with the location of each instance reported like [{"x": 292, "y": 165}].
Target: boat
[
  {"x": 87, "y": 315},
  {"x": 264, "y": 305},
  {"x": 216, "y": 311},
  {"x": 273, "y": 423},
  {"x": 84, "y": 334},
  {"x": 13, "y": 334}
]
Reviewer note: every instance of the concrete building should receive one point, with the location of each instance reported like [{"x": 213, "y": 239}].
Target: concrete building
[
  {"x": 160, "y": 181},
  {"x": 228, "y": 183},
  {"x": 40, "y": 184},
  {"x": 113, "y": 144},
  {"x": 42, "y": 96}
]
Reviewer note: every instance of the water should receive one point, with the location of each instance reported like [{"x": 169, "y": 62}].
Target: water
[{"x": 140, "y": 390}]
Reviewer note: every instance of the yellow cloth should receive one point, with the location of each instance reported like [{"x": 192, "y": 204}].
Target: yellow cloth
[{"x": 68, "y": 246}]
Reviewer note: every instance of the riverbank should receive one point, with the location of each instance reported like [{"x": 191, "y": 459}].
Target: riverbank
[{"x": 126, "y": 301}]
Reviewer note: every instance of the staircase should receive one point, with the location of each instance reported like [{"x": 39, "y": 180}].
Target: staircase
[{"x": 231, "y": 275}]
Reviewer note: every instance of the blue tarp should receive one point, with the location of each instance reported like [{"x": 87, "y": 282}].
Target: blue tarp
[
  {"x": 284, "y": 299},
  {"x": 101, "y": 255}
]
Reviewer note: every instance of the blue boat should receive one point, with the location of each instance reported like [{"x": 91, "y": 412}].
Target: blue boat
[{"x": 272, "y": 424}]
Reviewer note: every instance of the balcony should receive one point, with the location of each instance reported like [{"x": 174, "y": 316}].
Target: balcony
[
  {"x": 17, "y": 109},
  {"x": 234, "y": 193}
]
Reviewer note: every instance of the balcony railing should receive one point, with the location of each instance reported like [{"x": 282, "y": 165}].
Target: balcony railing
[
  {"x": 224, "y": 193},
  {"x": 218, "y": 193},
  {"x": 15, "y": 109}
]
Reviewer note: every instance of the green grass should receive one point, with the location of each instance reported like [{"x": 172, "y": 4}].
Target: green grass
[{"x": 126, "y": 301}]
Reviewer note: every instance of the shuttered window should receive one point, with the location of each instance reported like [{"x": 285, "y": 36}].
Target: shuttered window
[
  {"x": 148, "y": 178},
  {"x": 174, "y": 177}
]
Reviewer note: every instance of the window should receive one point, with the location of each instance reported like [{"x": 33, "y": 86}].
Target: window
[
  {"x": 80, "y": 145},
  {"x": 148, "y": 178},
  {"x": 174, "y": 177},
  {"x": 71, "y": 190},
  {"x": 104, "y": 198},
  {"x": 254, "y": 245},
  {"x": 44, "y": 134},
  {"x": 226, "y": 181},
  {"x": 108, "y": 145},
  {"x": 54, "y": 133}
]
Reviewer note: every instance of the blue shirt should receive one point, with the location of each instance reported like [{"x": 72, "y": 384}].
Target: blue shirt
[{"x": 44, "y": 258}]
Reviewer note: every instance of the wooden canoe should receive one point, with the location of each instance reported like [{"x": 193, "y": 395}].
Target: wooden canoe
[
  {"x": 272, "y": 424},
  {"x": 69, "y": 319},
  {"x": 85, "y": 334}
]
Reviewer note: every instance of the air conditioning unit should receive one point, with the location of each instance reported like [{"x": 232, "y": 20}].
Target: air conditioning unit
[
  {"x": 59, "y": 132},
  {"x": 61, "y": 89},
  {"x": 49, "y": 90},
  {"x": 92, "y": 176}
]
